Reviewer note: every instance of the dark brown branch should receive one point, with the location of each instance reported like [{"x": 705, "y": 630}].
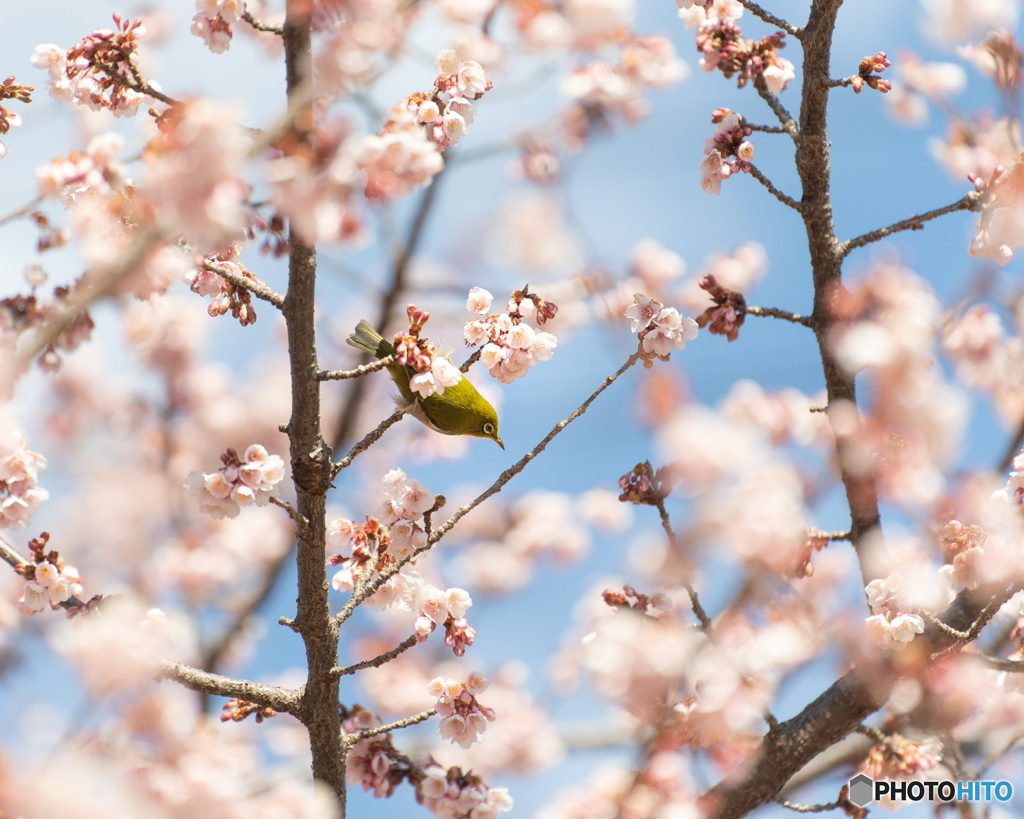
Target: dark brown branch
[
  {"x": 310, "y": 457},
  {"x": 362, "y": 369},
  {"x": 352, "y": 739},
  {"x": 788, "y": 201},
  {"x": 380, "y": 659},
  {"x": 972, "y": 201},
  {"x": 519, "y": 465},
  {"x": 766, "y": 129},
  {"x": 368, "y": 441},
  {"x": 770, "y": 18}
]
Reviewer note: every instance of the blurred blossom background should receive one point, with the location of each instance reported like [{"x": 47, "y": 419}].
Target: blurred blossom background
[{"x": 587, "y": 215}]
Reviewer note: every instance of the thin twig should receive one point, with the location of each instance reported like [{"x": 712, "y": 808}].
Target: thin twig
[
  {"x": 789, "y": 201},
  {"x": 24, "y": 210},
  {"x": 775, "y": 312},
  {"x": 666, "y": 524},
  {"x": 785, "y": 118},
  {"x": 143, "y": 87},
  {"x": 355, "y": 372},
  {"x": 770, "y": 18},
  {"x": 352, "y": 739},
  {"x": 259, "y": 25},
  {"x": 518, "y": 467},
  {"x": 369, "y": 440},
  {"x": 766, "y": 129},
  {"x": 998, "y": 663},
  {"x": 972, "y": 201},
  {"x": 380, "y": 659},
  {"x": 503, "y": 479},
  {"x": 257, "y": 287},
  {"x": 293, "y": 513}
]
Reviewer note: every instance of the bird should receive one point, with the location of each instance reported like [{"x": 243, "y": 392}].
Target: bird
[{"x": 459, "y": 410}]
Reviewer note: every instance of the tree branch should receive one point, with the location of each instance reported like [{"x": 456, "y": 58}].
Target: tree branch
[
  {"x": 285, "y": 700},
  {"x": 972, "y": 201},
  {"x": 257, "y": 287}
]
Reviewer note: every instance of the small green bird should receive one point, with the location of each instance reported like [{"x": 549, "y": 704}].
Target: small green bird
[{"x": 460, "y": 410}]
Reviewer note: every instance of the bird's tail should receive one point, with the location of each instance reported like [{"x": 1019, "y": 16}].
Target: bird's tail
[{"x": 368, "y": 340}]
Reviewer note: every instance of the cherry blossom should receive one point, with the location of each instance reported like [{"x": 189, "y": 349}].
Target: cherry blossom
[{"x": 240, "y": 482}]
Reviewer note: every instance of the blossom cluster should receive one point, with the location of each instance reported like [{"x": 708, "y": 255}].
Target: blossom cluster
[
  {"x": 510, "y": 346},
  {"x": 406, "y": 154},
  {"x": 600, "y": 90},
  {"x": 395, "y": 535},
  {"x": 94, "y": 171},
  {"x": 213, "y": 20},
  {"x": 456, "y": 795},
  {"x": 659, "y": 328},
  {"x": 193, "y": 185},
  {"x": 650, "y": 604},
  {"x": 1001, "y": 226},
  {"x": 227, "y": 297},
  {"x": 433, "y": 373},
  {"x": 866, "y": 71},
  {"x": 463, "y": 717},
  {"x": 726, "y": 315},
  {"x": 10, "y": 90},
  {"x": 899, "y": 757},
  {"x": 100, "y": 72},
  {"x": 48, "y": 580},
  {"x": 722, "y": 46},
  {"x": 642, "y": 485},
  {"x": 20, "y": 493},
  {"x": 893, "y": 621},
  {"x": 726, "y": 151},
  {"x": 20, "y": 312},
  {"x": 240, "y": 482}
]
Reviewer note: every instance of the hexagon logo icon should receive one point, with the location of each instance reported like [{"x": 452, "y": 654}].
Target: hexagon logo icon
[{"x": 862, "y": 789}]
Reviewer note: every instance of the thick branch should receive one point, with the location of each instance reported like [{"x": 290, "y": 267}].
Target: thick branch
[
  {"x": 309, "y": 454},
  {"x": 814, "y": 167}
]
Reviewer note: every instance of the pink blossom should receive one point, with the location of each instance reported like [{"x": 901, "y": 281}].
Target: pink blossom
[
  {"x": 1001, "y": 226},
  {"x": 478, "y": 303},
  {"x": 238, "y": 483}
]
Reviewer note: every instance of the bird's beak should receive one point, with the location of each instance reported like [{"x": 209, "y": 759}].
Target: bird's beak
[{"x": 497, "y": 440}]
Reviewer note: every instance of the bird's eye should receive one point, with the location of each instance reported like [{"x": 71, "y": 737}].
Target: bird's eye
[{"x": 489, "y": 428}]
